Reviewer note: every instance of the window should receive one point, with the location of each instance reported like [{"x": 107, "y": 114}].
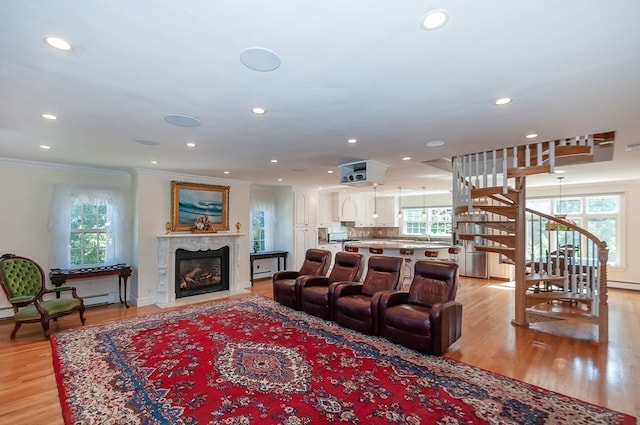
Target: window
[
  {"x": 89, "y": 236},
  {"x": 87, "y": 227},
  {"x": 600, "y": 215},
  {"x": 436, "y": 222},
  {"x": 258, "y": 231}
]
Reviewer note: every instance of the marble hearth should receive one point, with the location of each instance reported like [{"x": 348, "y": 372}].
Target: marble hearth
[{"x": 167, "y": 246}]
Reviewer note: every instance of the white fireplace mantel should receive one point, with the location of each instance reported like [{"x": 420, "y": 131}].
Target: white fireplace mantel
[{"x": 169, "y": 243}]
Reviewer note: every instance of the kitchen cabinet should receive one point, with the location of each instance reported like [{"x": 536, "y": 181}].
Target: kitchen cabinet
[
  {"x": 304, "y": 238},
  {"x": 365, "y": 212},
  {"x": 387, "y": 210},
  {"x": 305, "y": 224},
  {"x": 305, "y": 204},
  {"x": 326, "y": 213}
]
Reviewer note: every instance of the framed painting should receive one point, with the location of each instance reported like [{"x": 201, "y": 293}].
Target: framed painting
[{"x": 199, "y": 207}]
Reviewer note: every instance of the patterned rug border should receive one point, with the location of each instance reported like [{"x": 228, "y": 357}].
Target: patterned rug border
[{"x": 396, "y": 355}]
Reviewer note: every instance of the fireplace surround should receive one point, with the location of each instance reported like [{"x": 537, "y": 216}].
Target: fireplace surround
[{"x": 170, "y": 243}]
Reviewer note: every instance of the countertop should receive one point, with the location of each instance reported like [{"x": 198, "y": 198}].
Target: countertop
[{"x": 398, "y": 244}]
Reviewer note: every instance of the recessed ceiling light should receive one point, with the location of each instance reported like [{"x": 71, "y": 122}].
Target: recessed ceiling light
[
  {"x": 154, "y": 162},
  {"x": 352, "y": 141},
  {"x": 226, "y": 172},
  {"x": 45, "y": 147},
  {"x": 280, "y": 180},
  {"x": 49, "y": 116},
  {"x": 58, "y": 43},
  {"x": 258, "y": 111},
  {"x": 190, "y": 145},
  {"x": 434, "y": 143},
  {"x": 330, "y": 171},
  {"x": 182, "y": 120},
  {"x": 434, "y": 19},
  {"x": 260, "y": 59},
  {"x": 274, "y": 161},
  {"x": 503, "y": 101},
  {"x": 531, "y": 136},
  {"x": 406, "y": 158}
]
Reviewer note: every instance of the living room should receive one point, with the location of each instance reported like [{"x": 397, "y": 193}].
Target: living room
[{"x": 113, "y": 132}]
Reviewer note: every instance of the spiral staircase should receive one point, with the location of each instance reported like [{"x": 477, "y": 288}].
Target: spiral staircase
[{"x": 560, "y": 268}]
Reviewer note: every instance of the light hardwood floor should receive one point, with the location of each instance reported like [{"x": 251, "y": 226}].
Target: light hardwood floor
[{"x": 551, "y": 355}]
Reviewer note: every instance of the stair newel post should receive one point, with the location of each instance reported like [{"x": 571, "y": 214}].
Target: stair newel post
[
  {"x": 520, "y": 318},
  {"x": 603, "y": 307}
]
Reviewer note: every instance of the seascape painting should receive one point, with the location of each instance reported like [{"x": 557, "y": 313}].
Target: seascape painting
[
  {"x": 193, "y": 201},
  {"x": 198, "y": 203}
]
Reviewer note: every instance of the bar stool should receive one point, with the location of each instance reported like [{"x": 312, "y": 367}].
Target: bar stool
[
  {"x": 453, "y": 253},
  {"x": 351, "y": 248},
  {"x": 407, "y": 253},
  {"x": 377, "y": 251},
  {"x": 431, "y": 254}
]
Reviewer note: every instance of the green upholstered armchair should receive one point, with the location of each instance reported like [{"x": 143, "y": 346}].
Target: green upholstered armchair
[{"x": 23, "y": 282}]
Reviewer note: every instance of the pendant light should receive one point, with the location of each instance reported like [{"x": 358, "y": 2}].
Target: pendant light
[
  {"x": 424, "y": 209},
  {"x": 563, "y": 217},
  {"x": 375, "y": 202},
  {"x": 400, "y": 201}
]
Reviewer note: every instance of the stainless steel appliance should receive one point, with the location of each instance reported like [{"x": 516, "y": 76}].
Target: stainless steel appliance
[{"x": 473, "y": 262}]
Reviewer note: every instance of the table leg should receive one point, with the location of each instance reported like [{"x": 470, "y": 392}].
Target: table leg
[
  {"x": 251, "y": 265},
  {"x": 122, "y": 280}
]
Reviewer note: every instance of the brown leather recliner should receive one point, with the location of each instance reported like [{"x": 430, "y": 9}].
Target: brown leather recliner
[
  {"x": 316, "y": 263},
  {"x": 355, "y": 306},
  {"x": 427, "y": 318},
  {"x": 315, "y": 294}
]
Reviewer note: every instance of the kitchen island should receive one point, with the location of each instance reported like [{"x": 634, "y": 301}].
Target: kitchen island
[{"x": 410, "y": 250}]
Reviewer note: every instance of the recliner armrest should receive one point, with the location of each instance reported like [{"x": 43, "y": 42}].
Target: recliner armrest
[
  {"x": 446, "y": 325},
  {"x": 286, "y": 274},
  {"x": 313, "y": 281},
  {"x": 346, "y": 288},
  {"x": 392, "y": 298}
]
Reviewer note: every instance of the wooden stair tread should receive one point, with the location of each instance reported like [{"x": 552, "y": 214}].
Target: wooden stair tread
[
  {"x": 550, "y": 278},
  {"x": 496, "y": 193},
  {"x": 583, "y": 316},
  {"x": 560, "y": 296}
]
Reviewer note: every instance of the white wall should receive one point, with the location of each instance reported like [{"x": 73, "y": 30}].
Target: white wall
[{"x": 26, "y": 189}]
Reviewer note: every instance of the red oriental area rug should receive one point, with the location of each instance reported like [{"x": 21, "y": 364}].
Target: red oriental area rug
[{"x": 252, "y": 361}]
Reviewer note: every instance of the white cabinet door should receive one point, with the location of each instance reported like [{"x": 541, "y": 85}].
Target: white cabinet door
[
  {"x": 387, "y": 212},
  {"x": 304, "y": 237},
  {"x": 365, "y": 212},
  {"x": 305, "y": 208},
  {"x": 325, "y": 210}
]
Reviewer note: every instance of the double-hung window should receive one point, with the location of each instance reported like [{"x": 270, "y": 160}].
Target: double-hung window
[
  {"x": 87, "y": 227},
  {"x": 601, "y": 215},
  {"x": 427, "y": 221},
  {"x": 258, "y": 230}
]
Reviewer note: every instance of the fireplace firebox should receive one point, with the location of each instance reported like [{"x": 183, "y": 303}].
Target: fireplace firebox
[{"x": 200, "y": 272}]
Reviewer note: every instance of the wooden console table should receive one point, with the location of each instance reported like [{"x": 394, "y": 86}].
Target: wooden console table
[
  {"x": 267, "y": 254},
  {"x": 60, "y": 276}
]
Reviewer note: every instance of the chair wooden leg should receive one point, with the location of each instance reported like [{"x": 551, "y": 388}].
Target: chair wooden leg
[
  {"x": 45, "y": 326},
  {"x": 82, "y": 319},
  {"x": 15, "y": 330}
]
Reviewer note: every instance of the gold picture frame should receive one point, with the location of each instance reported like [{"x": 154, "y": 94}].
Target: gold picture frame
[{"x": 193, "y": 201}]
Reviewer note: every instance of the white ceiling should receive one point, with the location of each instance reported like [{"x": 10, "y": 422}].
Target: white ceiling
[{"x": 361, "y": 69}]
